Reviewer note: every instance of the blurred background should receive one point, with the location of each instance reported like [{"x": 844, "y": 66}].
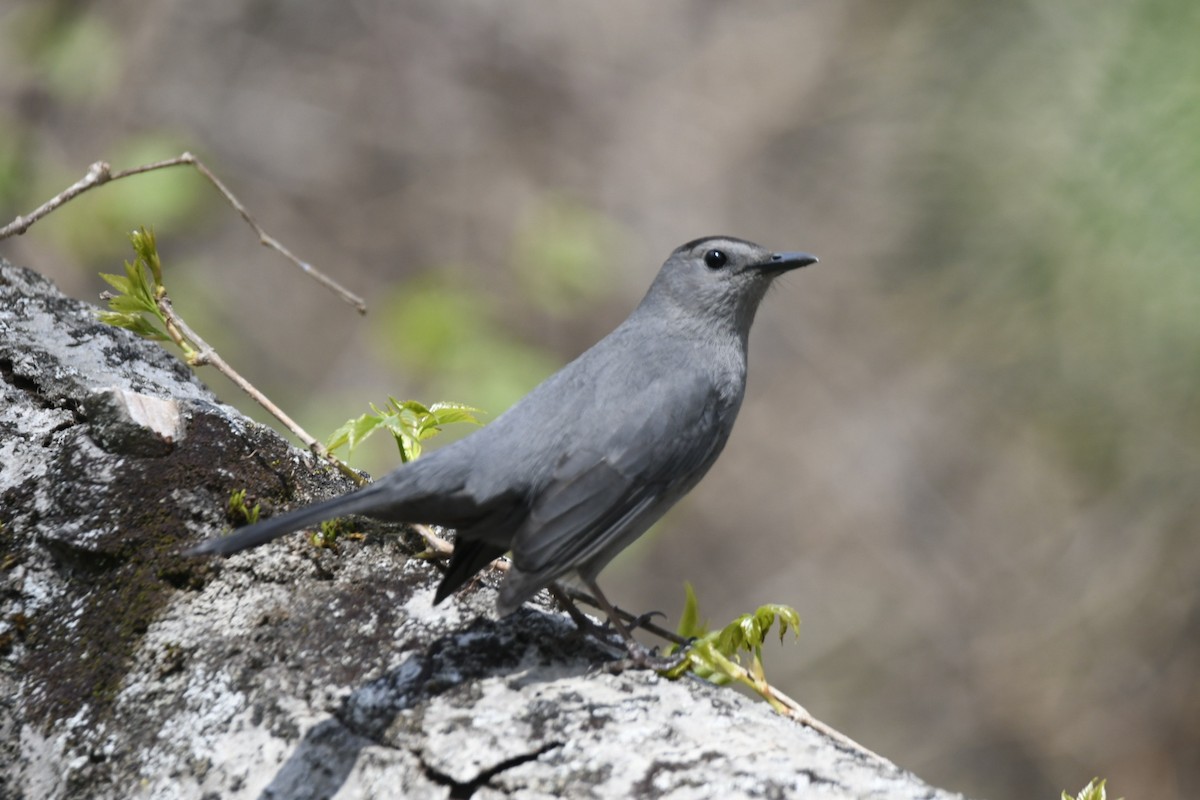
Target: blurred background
[{"x": 970, "y": 449}]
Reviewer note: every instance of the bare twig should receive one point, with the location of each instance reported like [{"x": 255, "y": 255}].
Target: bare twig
[
  {"x": 791, "y": 709},
  {"x": 436, "y": 543},
  {"x": 204, "y": 353},
  {"x": 101, "y": 173},
  {"x": 97, "y": 174}
]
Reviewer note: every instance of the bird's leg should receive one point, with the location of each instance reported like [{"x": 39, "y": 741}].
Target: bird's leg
[
  {"x": 613, "y": 617},
  {"x": 639, "y": 656},
  {"x": 581, "y": 620}
]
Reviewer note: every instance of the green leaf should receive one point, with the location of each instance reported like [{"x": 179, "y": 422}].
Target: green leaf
[
  {"x": 128, "y": 303},
  {"x": 1093, "y": 791},
  {"x": 788, "y": 617},
  {"x": 737, "y": 635},
  {"x": 403, "y": 427},
  {"x": 430, "y": 423},
  {"x": 353, "y": 432},
  {"x": 122, "y": 285},
  {"x": 119, "y": 319},
  {"x": 754, "y": 627},
  {"x": 690, "y": 626},
  {"x": 133, "y": 322},
  {"x": 706, "y": 661},
  {"x": 148, "y": 330},
  {"x": 409, "y": 422},
  {"x": 146, "y": 248},
  {"x": 412, "y": 406},
  {"x": 449, "y": 413}
]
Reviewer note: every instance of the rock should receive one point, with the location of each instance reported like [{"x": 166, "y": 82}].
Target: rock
[{"x": 294, "y": 671}]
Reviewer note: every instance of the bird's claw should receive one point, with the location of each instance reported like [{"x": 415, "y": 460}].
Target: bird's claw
[{"x": 639, "y": 621}]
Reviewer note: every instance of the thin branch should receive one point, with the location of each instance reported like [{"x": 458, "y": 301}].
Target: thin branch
[
  {"x": 436, "y": 543},
  {"x": 792, "y": 709},
  {"x": 97, "y": 174},
  {"x": 101, "y": 173},
  {"x": 204, "y": 353}
]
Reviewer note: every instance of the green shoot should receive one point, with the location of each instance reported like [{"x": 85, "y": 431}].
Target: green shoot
[
  {"x": 733, "y": 653},
  {"x": 328, "y": 534},
  {"x": 1093, "y": 791},
  {"x": 239, "y": 509},
  {"x": 690, "y": 626},
  {"x": 135, "y": 305},
  {"x": 409, "y": 422}
]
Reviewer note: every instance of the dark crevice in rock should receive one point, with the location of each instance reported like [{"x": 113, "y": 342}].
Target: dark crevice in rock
[
  {"x": 34, "y": 390},
  {"x": 463, "y": 791},
  {"x": 816, "y": 778},
  {"x": 48, "y": 439},
  {"x": 18, "y": 381}
]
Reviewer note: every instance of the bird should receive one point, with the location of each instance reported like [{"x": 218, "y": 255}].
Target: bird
[{"x": 593, "y": 456}]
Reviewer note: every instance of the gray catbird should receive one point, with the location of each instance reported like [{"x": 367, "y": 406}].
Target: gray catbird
[{"x": 591, "y": 458}]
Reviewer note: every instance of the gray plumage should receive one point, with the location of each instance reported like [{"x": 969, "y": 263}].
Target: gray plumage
[{"x": 592, "y": 457}]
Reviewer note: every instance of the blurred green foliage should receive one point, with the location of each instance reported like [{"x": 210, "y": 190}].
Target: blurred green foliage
[
  {"x": 65, "y": 58},
  {"x": 562, "y": 254},
  {"x": 75, "y": 52},
  {"x": 429, "y": 327},
  {"x": 171, "y": 199},
  {"x": 12, "y": 168},
  {"x": 438, "y": 326},
  {"x": 1062, "y": 244}
]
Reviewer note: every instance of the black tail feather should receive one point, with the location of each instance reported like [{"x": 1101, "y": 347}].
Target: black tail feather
[
  {"x": 363, "y": 501},
  {"x": 469, "y": 557}
]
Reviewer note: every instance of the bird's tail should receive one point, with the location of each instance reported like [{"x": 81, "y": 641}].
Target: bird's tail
[{"x": 361, "y": 501}]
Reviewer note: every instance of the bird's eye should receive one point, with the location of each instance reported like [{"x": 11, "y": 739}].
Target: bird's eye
[{"x": 715, "y": 259}]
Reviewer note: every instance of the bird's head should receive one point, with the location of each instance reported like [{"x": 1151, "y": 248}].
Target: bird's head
[{"x": 720, "y": 280}]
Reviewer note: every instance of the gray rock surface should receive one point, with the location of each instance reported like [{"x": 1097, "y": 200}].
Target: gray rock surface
[{"x": 292, "y": 671}]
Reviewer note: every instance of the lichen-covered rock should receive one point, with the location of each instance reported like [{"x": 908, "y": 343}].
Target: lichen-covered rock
[{"x": 294, "y": 671}]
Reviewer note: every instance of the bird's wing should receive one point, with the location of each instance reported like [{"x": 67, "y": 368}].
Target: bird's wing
[{"x": 655, "y": 449}]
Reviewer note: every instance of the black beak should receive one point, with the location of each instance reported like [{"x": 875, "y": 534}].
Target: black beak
[{"x": 782, "y": 262}]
